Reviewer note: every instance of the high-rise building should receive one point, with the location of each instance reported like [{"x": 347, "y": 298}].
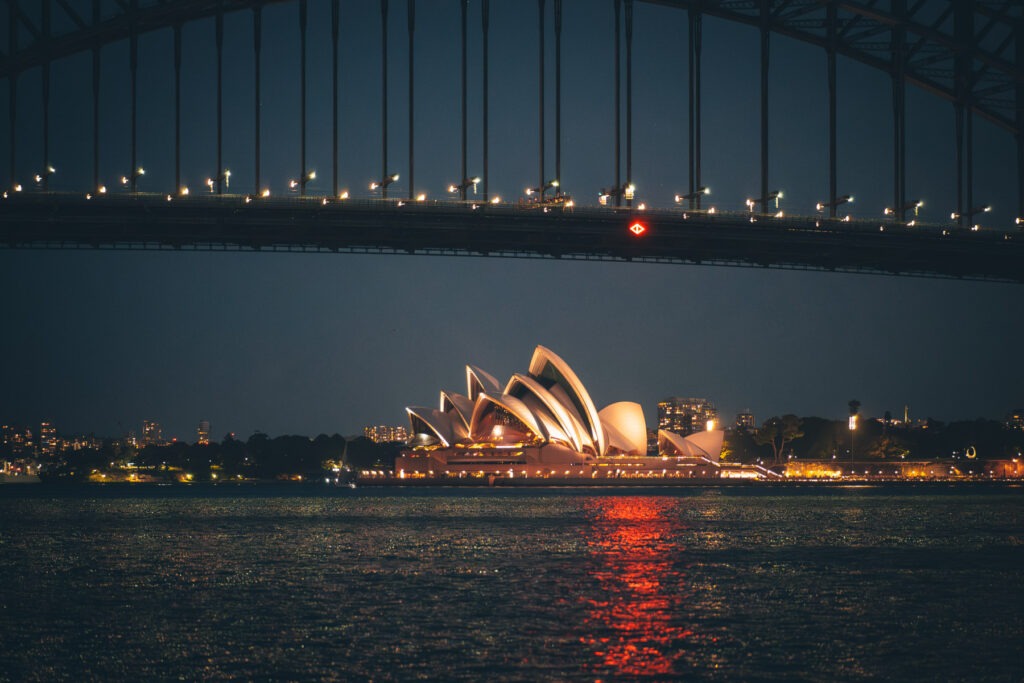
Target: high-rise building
[
  {"x": 47, "y": 439},
  {"x": 745, "y": 421},
  {"x": 1015, "y": 419},
  {"x": 152, "y": 433},
  {"x": 203, "y": 433},
  {"x": 686, "y": 416},
  {"x": 17, "y": 440},
  {"x": 385, "y": 433}
]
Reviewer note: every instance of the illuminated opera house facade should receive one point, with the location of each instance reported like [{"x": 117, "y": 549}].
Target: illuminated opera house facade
[{"x": 543, "y": 423}]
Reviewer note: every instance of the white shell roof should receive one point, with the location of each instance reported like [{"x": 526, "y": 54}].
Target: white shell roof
[
  {"x": 542, "y": 357},
  {"x": 478, "y": 381},
  {"x": 625, "y": 428},
  {"x": 509, "y": 403}
]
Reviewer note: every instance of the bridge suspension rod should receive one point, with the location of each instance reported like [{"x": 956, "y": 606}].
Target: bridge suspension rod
[
  {"x": 133, "y": 57},
  {"x": 617, "y": 4},
  {"x": 558, "y": 90},
  {"x": 302, "y": 97},
  {"x": 629, "y": 98},
  {"x": 384, "y": 95},
  {"x": 695, "y": 44},
  {"x": 411, "y": 7},
  {"x": 335, "y": 19},
  {"x": 765, "y": 33},
  {"x": 485, "y": 12},
  {"x": 95, "y": 102},
  {"x": 540, "y": 94},
  {"x": 899, "y": 107},
  {"x": 219, "y": 29},
  {"x": 831, "y": 75},
  {"x": 257, "y": 42},
  {"x": 177, "y": 107},
  {"x": 464, "y": 6},
  {"x": 12, "y": 83}
]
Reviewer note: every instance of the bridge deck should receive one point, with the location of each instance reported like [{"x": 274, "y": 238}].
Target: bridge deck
[{"x": 233, "y": 222}]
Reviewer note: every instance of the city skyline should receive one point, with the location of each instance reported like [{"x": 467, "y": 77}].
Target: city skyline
[{"x": 291, "y": 343}]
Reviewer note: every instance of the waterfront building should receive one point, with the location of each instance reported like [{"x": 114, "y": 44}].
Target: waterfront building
[
  {"x": 543, "y": 423},
  {"x": 203, "y": 433},
  {"x": 745, "y": 421},
  {"x": 17, "y": 440},
  {"x": 686, "y": 415},
  {"x": 47, "y": 439},
  {"x": 152, "y": 433},
  {"x": 386, "y": 433}
]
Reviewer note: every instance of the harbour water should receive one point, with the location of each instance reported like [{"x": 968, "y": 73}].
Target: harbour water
[{"x": 305, "y": 583}]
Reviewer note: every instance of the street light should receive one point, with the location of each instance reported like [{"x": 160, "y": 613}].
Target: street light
[
  {"x": 971, "y": 214},
  {"x": 133, "y": 178},
  {"x": 541, "y": 190},
  {"x": 383, "y": 183},
  {"x": 627, "y": 191},
  {"x": 212, "y": 184},
  {"x": 44, "y": 177},
  {"x": 839, "y": 201},
  {"x": 914, "y": 204},
  {"x": 693, "y": 197},
  {"x": 301, "y": 183},
  {"x": 774, "y": 196},
  {"x": 461, "y": 188}
]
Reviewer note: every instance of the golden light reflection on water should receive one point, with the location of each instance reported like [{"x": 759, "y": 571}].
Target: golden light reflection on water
[{"x": 635, "y": 629}]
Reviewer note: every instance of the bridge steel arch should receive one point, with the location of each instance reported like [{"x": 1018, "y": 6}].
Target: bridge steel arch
[{"x": 967, "y": 52}]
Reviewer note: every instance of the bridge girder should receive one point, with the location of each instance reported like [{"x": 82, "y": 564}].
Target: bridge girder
[{"x": 863, "y": 33}]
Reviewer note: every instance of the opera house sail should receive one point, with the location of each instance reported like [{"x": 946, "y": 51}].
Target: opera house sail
[{"x": 543, "y": 423}]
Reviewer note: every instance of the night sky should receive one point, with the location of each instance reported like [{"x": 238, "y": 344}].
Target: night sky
[{"x": 294, "y": 343}]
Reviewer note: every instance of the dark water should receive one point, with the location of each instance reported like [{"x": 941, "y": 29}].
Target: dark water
[{"x": 722, "y": 584}]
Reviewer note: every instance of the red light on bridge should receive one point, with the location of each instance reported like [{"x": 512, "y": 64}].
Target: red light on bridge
[{"x": 638, "y": 228}]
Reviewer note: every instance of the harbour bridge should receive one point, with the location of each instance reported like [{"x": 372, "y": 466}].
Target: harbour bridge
[{"x": 967, "y": 53}]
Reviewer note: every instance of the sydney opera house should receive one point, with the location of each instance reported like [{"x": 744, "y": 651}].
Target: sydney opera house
[{"x": 543, "y": 423}]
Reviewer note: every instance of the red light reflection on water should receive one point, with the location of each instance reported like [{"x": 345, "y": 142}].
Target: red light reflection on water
[{"x": 635, "y": 622}]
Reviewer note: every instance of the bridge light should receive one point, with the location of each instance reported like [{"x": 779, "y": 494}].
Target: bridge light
[
  {"x": 265, "y": 193},
  {"x": 103, "y": 189},
  {"x": 421, "y": 197},
  {"x": 638, "y": 228},
  {"x": 642, "y": 207},
  {"x": 210, "y": 184},
  {"x": 495, "y": 200},
  {"x": 343, "y": 196},
  {"x": 169, "y": 197}
]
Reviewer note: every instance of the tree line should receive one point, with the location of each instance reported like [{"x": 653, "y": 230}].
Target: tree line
[{"x": 815, "y": 438}]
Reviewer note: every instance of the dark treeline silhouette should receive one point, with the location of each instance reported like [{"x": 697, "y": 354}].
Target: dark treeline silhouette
[
  {"x": 822, "y": 439},
  {"x": 261, "y": 457}
]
